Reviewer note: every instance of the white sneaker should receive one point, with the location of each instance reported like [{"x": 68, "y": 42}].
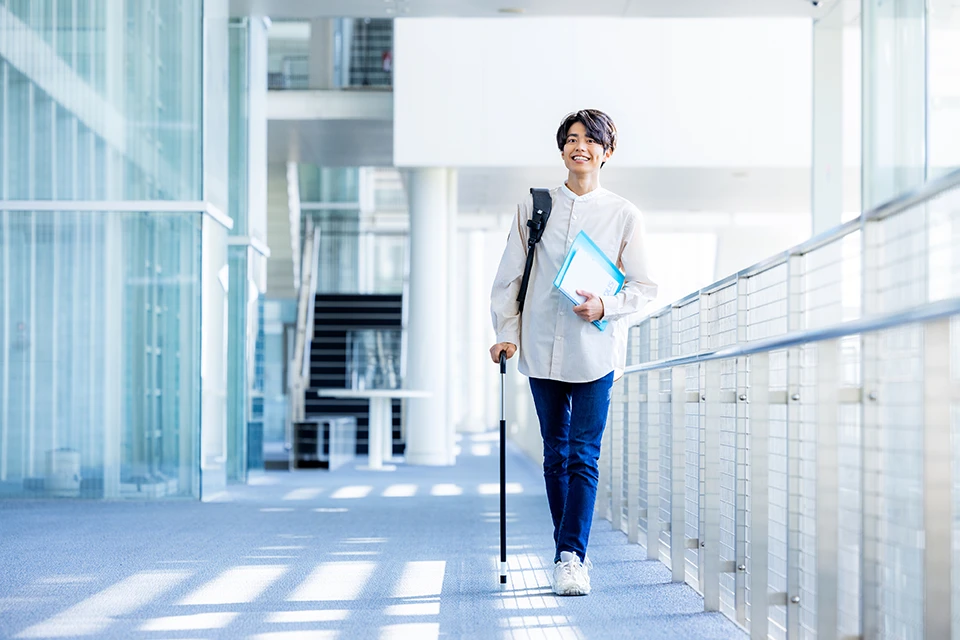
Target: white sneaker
[{"x": 570, "y": 576}]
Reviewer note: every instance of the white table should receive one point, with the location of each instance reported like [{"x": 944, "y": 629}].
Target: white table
[{"x": 380, "y": 440}]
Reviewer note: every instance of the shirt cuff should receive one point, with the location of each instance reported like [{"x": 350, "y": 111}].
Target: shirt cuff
[
  {"x": 611, "y": 306},
  {"x": 509, "y": 336}
]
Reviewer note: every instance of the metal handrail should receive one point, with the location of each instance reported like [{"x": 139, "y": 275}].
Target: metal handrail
[
  {"x": 924, "y": 193},
  {"x": 923, "y": 313}
]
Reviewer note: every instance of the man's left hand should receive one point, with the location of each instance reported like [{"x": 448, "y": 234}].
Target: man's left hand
[{"x": 592, "y": 308}]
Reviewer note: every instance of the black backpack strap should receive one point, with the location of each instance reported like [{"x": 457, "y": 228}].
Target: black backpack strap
[{"x": 542, "y": 203}]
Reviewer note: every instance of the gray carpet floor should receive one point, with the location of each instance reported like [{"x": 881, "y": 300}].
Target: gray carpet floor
[{"x": 409, "y": 553}]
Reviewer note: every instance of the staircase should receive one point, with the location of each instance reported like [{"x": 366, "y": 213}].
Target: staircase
[{"x": 335, "y": 315}]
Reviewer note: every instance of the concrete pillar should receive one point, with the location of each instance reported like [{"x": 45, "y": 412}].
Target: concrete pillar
[
  {"x": 828, "y": 121},
  {"x": 322, "y": 53},
  {"x": 427, "y": 349}
]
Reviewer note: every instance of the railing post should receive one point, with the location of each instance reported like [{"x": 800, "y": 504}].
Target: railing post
[
  {"x": 759, "y": 426},
  {"x": 939, "y": 395},
  {"x": 741, "y": 390},
  {"x": 615, "y": 427},
  {"x": 794, "y": 323},
  {"x": 827, "y": 499},
  {"x": 654, "y": 429},
  {"x": 678, "y": 541},
  {"x": 870, "y": 570},
  {"x": 635, "y": 403},
  {"x": 710, "y": 543}
]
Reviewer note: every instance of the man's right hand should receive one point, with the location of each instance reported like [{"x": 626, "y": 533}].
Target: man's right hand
[{"x": 495, "y": 350}]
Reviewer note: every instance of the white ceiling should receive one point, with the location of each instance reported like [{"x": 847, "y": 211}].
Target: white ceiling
[{"x": 303, "y": 9}]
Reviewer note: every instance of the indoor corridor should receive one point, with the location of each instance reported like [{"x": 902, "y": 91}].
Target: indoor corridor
[{"x": 409, "y": 553}]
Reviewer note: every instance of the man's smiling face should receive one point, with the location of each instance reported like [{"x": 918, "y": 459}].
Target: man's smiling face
[{"x": 581, "y": 153}]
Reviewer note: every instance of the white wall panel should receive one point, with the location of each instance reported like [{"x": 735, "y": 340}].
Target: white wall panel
[{"x": 684, "y": 93}]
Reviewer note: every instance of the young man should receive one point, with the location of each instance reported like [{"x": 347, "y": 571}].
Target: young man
[{"x": 569, "y": 361}]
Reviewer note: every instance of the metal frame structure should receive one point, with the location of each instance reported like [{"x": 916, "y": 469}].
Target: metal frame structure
[{"x": 810, "y": 405}]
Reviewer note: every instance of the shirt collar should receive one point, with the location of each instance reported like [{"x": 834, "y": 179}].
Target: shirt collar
[{"x": 565, "y": 190}]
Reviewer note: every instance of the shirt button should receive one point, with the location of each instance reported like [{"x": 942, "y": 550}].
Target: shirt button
[{"x": 574, "y": 217}]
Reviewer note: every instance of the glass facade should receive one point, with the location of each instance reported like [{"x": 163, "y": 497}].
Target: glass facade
[
  {"x": 101, "y": 99},
  {"x": 886, "y": 102},
  {"x": 99, "y": 362},
  {"x": 114, "y": 222},
  {"x": 894, "y": 98}
]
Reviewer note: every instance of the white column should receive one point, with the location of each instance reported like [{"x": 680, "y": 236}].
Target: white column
[
  {"x": 427, "y": 321},
  {"x": 454, "y": 332},
  {"x": 828, "y": 121},
  {"x": 321, "y": 53}
]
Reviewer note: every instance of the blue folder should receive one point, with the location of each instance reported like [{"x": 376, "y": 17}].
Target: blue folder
[{"x": 583, "y": 248}]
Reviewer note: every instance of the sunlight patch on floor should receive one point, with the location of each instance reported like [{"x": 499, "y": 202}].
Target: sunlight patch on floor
[
  {"x": 314, "y": 615},
  {"x": 519, "y": 603},
  {"x": 413, "y": 609},
  {"x": 236, "y": 586},
  {"x": 93, "y": 615},
  {"x": 261, "y": 481},
  {"x": 446, "y": 490},
  {"x": 412, "y": 631},
  {"x": 194, "y": 622},
  {"x": 421, "y": 579},
  {"x": 352, "y": 492},
  {"x": 304, "y": 493},
  {"x": 400, "y": 491},
  {"x": 334, "y": 581},
  {"x": 481, "y": 449}
]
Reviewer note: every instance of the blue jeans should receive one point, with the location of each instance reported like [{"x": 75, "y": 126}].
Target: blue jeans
[{"x": 572, "y": 418}]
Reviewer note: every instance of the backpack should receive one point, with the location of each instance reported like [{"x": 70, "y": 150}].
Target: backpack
[{"x": 542, "y": 203}]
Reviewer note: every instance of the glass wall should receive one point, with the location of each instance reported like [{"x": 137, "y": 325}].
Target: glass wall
[
  {"x": 943, "y": 87},
  {"x": 100, "y": 353},
  {"x": 101, "y": 99},
  {"x": 894, "y": 98},
  {"x": 886, "y": 102},
  {"x": 113, "y": 322}
]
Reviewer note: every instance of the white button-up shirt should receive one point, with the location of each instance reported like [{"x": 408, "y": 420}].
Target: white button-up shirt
[{"x": 553, "y": 341}]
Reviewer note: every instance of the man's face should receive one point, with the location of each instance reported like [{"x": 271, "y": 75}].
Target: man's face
[{"x": 581, "y": 153}]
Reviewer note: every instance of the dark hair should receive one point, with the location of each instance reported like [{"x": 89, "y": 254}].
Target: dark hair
[{"x": 599, "y": 126}]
